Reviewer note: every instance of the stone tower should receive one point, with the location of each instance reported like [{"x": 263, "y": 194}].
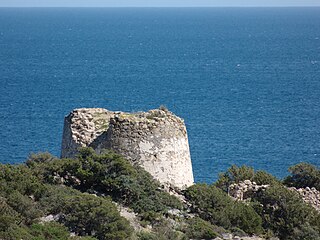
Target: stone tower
[{"x": 156, "y": 140}]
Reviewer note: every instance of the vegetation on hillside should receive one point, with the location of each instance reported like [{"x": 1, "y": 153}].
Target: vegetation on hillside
[
  {"x": 283, "y": 212},
  {"x": 50, "y": 198}
]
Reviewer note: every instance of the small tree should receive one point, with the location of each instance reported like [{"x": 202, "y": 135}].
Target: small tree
[
  {"x": 303, "y": 175},
  {"x": 234, "y": 174}
]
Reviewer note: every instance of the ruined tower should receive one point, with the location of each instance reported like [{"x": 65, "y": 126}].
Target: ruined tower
[{"x": 156, "y": 140}]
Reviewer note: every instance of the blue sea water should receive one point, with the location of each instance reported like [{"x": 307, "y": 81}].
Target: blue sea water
[{"x": 246, "y": 80}]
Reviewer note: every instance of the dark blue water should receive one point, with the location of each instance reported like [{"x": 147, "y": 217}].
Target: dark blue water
[{"x": 246, "y": 81}]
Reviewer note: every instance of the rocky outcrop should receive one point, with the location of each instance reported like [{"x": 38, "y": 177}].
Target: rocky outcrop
[{"x": 156, "y": 140}]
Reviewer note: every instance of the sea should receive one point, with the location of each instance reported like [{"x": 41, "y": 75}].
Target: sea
[{"x": 245, "y": 80}]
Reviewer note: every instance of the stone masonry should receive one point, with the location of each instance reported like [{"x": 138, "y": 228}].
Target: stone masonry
[
  {"x": 244, "y": 190},
  {"x": 156, "y": 140}
]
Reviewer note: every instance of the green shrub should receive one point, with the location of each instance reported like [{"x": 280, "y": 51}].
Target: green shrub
[
  {"x": 85, "y": 214},
  {"x": 46, "y": 231},
  {"x": 234, "y": 174},
  {"x": 21, "y": 179},
  {"x": 89, "y": 215},
  {"x": 304, "y": 232},
  {"x": 237, "y": 174},
  {"x": 214, "y": 205},
  {"x": 143, "y": 235},
  {"x": 165, "y": 230},
  {"x": 14, "y": 232},
  {"x": 25, "y": 206},
  {"x": 8, "y": 216},
  {"x": 303, "y": 175},
  {"x": 40, "y": 158},
  {"x": 11, "y": 229},
  {"x": 197, "y": 228},
  {"x": 264, "y": 178},
  {"x": 49, "y": 231},
  {"x": 53, "y": 200},
  {"x": 210, "y": 203},
  {"x": 245, "y": 218},
  {"x": 284, "y": 212}
]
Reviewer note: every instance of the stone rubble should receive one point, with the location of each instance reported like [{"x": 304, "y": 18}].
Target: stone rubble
[
  {"x": 229, "y": 236},
  {"x": 50, "y": 218},
  {"x": 243, "y": 191},
  {"x": 309, "y": 195}
]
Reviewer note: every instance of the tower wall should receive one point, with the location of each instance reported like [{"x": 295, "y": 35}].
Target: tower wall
[{"x": 156, "y": 140}]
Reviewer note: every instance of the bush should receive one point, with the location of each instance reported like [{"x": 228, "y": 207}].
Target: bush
[
  {"x": 46, "y": 231},
  {"x": 49, "y": 231},
  {"x": 284, "y": 212},
  {"x": 162, "y": 230},
  {"x": 25, "y": 206},
  {"x": 143, "y": 235},
  {"x": 88, "y": 215},
  {"x": 210, "y": 203},
  {"x": 234, "y": 174},
  {"x": 197, "y": 228},
  {"x": 214, "y": 205},
  {"x": 39, "y": 158},
  {"x": 305, "y": 232},
  {"x": 19, "y": 178},
  {"x": 165, "y": 230},
  {"x": 237, "y": 174},
  {"x": 264, "y": 178},
  {"x": 14, "y": 232},
  {"x": 303, "y": 175},
  {"x": 85, "y": 214},
  {"x": 245, "y": 218},
  {"x": 8, "y": 216}
]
